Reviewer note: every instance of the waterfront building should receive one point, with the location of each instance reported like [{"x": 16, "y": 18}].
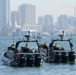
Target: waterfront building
[
  {"x": 41, "y": 22},
  {"x": 48, "y": 23},
  {"x": 27, "y": 13},
  {"x": 71, "y": 21},
  {"x": 62, "y": 22},
  {"x": 15, "y": 17},
  {"x": 4, "y": 14},
  {"x": 36, "y": 27}
]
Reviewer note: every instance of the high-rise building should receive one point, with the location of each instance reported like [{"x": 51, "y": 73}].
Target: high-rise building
[
  {"x": 15, "y": 18},
  {"x": 62, "y": 22},
  {"x": 48, "y": 25},
  {"x": 71, "y": 21},
  {"x": 4, "y": 13},
  {"x": 27, "y": 13},
  {"x": 41, "y": 22}
]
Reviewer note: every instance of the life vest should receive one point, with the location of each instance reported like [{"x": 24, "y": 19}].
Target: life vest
[{"x": 26, "y": 47}]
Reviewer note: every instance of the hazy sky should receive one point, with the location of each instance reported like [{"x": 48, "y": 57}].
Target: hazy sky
[{"x": 43, "y": 7}]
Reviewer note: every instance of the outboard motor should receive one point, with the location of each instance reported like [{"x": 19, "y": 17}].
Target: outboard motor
[
  {"x": 29, "y": 60},
  {"x": 57, "y": 57},
  {"x": 64, "y": 57},
  {"x": 37, "y": 60},
  {"x": 21, "y": 61},
  {"x": 71, "y": 57}
]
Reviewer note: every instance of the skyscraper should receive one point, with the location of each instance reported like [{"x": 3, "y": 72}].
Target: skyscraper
[
  {"x": 48, "y": 25},
  {"x": 27, "y": 12},
  {"x": 62, "y": 21},
  {"x": 41, "y": 22},
  {"x": 4, "y": 13},
  {"x": 15, "y": 17}
]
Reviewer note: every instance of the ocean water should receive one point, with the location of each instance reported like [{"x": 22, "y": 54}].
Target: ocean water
[{"x": 45, "y": 69}]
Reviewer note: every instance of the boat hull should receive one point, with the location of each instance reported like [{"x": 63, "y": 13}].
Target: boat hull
[{"x": 23, "y": 59}]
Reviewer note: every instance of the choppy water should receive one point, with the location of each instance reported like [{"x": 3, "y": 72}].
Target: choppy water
[{"x": 45, "y": 69}]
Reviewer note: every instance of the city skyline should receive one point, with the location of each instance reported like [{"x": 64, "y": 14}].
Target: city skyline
[
  {"x": 54, "y": 7},
  {"x": 26, "y": 17}
]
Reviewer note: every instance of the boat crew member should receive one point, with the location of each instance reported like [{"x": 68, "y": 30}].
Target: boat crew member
[
  {"x": 45, "y": 43},
  {"x": 26, "y": 49},
  {"x": 56, "y": 47},
  {"x": 45, "y": 46},
  {"x": 14, "y": 48}
]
